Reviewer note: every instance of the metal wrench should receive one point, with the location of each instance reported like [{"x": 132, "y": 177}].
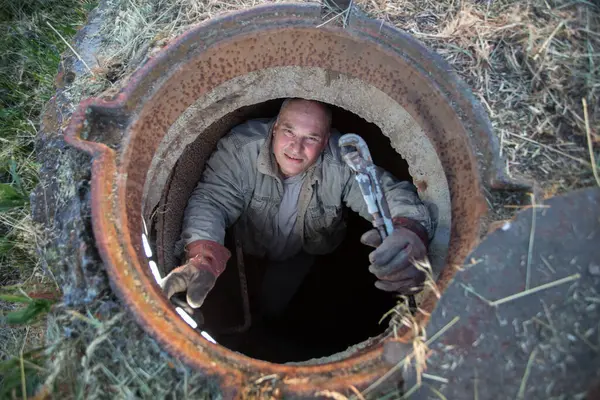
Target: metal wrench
[{"x": 356, "y": 154}]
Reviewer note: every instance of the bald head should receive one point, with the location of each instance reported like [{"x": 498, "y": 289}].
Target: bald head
[{"x": 316, "y": 108}]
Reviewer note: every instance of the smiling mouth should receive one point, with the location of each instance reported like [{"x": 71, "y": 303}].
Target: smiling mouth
[{"x": 293, "y": 159}]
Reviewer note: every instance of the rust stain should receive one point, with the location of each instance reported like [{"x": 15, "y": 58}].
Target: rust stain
[{"x": 219, "y": 50}]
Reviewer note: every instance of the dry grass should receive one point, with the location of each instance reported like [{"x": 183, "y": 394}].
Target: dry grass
[
  {"x": 89, "y": 359},
  {"x": 530, "y": 63},
  {"x": 402, "y": 318}
]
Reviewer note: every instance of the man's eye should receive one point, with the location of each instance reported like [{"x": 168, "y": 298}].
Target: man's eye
[
  {"x": 288, "y": 132},
  {"x": 314, "y": 139}
]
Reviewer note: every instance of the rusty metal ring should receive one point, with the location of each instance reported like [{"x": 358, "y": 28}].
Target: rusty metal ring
[{"x": 121, "y": 135}]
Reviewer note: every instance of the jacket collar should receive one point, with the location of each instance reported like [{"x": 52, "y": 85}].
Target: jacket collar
[{"x": 267, "y": 164}]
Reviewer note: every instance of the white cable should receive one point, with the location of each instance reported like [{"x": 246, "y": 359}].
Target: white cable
[
  {"x": 146, "y": 244},
  {"x": 186, "y": 317},
  {"x": 154, "y": 269}
]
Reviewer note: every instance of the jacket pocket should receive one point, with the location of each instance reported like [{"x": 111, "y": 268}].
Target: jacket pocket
[
  {"x": 325, "y": 228},
  {"x": 254, "y": 231},
  {"x": 256, "y": 213},
  {"x": 326, "y": 219}
]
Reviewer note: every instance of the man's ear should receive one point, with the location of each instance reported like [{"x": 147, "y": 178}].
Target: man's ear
[
  {"x": 326, "y": 140},
  {"x": 274, "y": 128}
]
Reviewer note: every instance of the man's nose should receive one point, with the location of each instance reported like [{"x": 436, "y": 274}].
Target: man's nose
[{"x": 297, "y": 143}]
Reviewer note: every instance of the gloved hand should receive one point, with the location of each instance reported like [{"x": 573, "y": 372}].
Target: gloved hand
[
  {"x": 392, "y": 260},
  {"x": 206, "y": 261}
]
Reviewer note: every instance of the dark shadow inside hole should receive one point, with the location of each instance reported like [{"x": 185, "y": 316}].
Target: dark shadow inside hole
[{"x": 337, "y": 305}]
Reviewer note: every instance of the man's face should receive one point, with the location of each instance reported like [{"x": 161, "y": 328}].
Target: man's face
[{"x": 299, "y": 136}]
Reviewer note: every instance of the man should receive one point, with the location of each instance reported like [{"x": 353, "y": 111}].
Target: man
[{"x": 284, "y": 183}]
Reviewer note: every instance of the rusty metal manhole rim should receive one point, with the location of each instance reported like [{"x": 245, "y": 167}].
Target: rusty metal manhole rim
[{"x": 104, "y": 172}]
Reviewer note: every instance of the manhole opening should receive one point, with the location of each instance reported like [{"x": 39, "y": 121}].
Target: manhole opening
[{"x": 337, "y": 304}]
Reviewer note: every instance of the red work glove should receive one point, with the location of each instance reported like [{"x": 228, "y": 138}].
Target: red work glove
[
  {"x": 206, "y": 261},
  {"x": 392, "y": 260}
]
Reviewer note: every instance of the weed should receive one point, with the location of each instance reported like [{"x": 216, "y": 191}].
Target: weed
[{"x": 29, "y": 314}]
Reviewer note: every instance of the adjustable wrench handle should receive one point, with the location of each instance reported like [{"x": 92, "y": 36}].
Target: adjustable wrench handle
[{"x": 356, "y": 154}]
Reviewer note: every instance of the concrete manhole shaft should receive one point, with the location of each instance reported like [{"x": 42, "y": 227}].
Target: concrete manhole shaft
[{"x": 185, "y": 98}]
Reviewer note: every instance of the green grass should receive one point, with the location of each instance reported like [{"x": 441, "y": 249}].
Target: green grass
[{"x": 29, "y": 59}]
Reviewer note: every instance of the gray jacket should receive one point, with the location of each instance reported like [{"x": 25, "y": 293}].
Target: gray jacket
[{"x": 241, "y": 184}]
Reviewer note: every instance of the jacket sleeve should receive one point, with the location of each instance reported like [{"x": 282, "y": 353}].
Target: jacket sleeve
[
  {"x": 402, "y": 198},
  {"x": 218, "y": 199}
]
